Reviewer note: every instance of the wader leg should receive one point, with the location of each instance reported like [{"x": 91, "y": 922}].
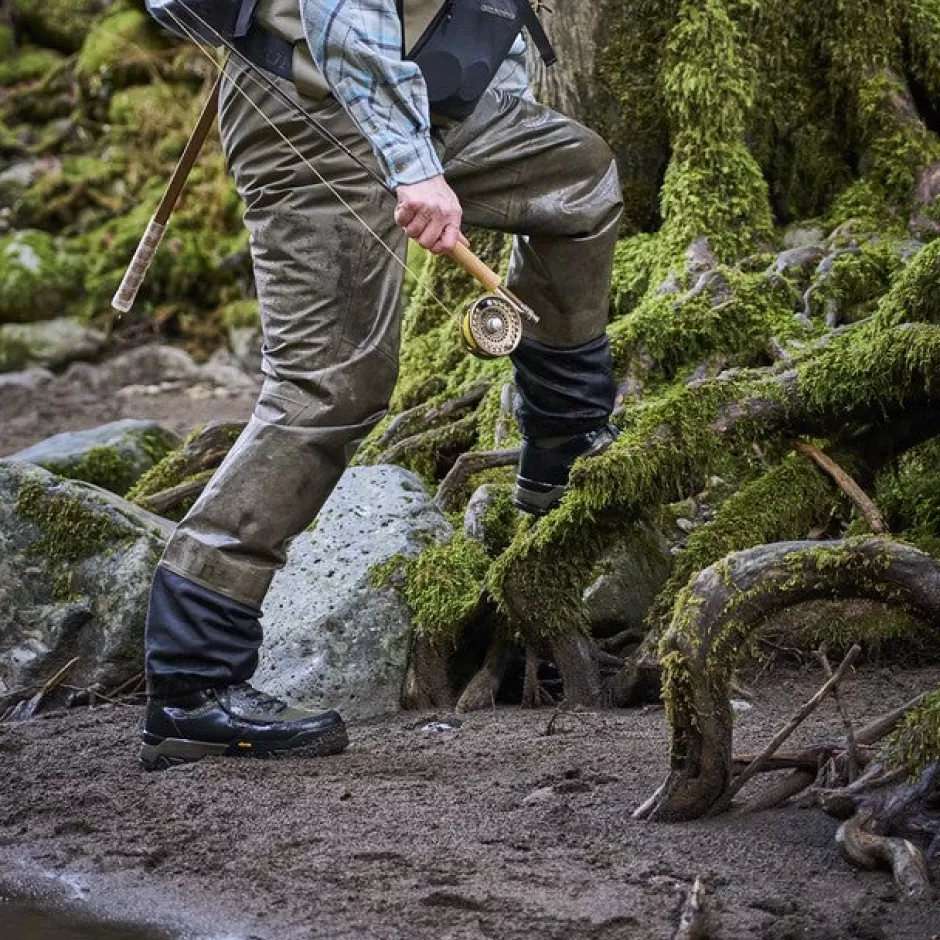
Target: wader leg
[
  {"x": 522, "y": 168},
  {"x": 330, "y": 306}
]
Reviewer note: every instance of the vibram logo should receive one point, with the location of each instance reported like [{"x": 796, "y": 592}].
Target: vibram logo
[
  {"x": 245, "y": 744},
  {"x": 497, "y": 11}
]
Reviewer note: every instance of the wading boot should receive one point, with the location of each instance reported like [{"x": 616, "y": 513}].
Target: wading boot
[
  {"x": 238, "y": 720},
  {"x": 545, "y": 465}
]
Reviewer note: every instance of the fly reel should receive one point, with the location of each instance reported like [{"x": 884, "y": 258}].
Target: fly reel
[{"x": 491, "y": 327}]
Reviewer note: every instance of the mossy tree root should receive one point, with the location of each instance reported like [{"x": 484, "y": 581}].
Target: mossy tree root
[{"x": 723, "y": 607}]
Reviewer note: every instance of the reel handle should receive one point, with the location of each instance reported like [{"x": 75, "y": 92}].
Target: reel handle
[{"x": 481, "y": 272}]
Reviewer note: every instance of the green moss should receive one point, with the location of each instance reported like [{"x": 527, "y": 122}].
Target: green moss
[
  {"x": 909, "y": 496},
  {"x": 441, "y": 586},
  {"x": 38, "y": 279},
  {"x": 916, "y": 743},
  {"x": 781, "y": 505},
  {"x": 242, "y": 314},
  {"x": 27, "y": 65},
  {"x": 15, "y": 353},
  {"x": 103, "y": 466},
  {"x": 62, "y": 24},
  {"x": 914, "y": 296},
  {"x": 500, "y": 523},
  {"x": 72, "y": 529},
  {"x": 737, "y": 316},
  {"x": 637, "y": 263},
  {"x": 123, "y": 46}
]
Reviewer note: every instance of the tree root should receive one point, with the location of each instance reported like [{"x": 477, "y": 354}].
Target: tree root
[
  {"x": 482, "y": 689},
  {"x": 723, "y": 607},
  {"x": 865, "y": 848},
  {"x": 427, "y": 416},
  {"x": 692, "y": 919},
  {"x": 466, "y": 465},
  {"x": 426, "y": 684}
]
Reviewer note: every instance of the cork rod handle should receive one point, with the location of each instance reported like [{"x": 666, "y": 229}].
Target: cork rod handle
[{"x": 484, "y": 275}]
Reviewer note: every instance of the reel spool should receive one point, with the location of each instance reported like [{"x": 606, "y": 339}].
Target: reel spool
[{"x": 491, "y": 327}]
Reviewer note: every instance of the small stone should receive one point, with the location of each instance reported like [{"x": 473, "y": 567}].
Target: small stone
[{"x": 29, "y": 379}]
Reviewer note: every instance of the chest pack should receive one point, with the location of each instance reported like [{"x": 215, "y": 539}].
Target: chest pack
[
  {"x": 465, "y": 45},
  {"x": 459, "y": 52}
]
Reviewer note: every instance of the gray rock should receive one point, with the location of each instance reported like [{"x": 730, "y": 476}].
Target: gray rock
[
  {"x": 150, "y": 365},
  {"x": 332, "y": 638},
  {"x": 75, "y": 570},
  {"x": 633, "y": 573},
  {"x": 798, "y": 262},
  {"x": 50, "y": 343},
  {"x": 114, "y": 455},
  {"x": 245, "y": 343},
  {"x": 29, "y": 379}
]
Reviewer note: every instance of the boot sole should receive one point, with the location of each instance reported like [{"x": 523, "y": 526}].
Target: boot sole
[{"x": 171, "y": 752}]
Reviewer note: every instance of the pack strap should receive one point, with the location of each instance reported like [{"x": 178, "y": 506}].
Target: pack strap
[
  {"x": 246, "y": 13},
  {"x": 267, "y": 51},
  {"x": 537, "y": 31}
]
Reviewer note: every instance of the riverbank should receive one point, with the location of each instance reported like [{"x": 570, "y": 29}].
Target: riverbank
[{"x": 494, "y": 829}]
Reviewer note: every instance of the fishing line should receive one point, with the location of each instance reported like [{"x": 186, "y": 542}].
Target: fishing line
[{"x": 325, "y": 133}]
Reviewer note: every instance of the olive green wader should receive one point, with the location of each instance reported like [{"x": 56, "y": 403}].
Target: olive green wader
[{"x": 330, "y": 305}]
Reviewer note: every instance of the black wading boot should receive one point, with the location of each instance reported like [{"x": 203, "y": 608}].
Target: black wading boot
[
  {"x": 238, "y": 720},
  {"x": 545, "y": 465}
]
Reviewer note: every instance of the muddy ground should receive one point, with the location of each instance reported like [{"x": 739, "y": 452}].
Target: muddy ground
[{"x": 494, "y": 830}]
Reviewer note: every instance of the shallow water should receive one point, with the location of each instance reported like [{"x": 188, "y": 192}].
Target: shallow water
[{"x": 20, "y": 922}]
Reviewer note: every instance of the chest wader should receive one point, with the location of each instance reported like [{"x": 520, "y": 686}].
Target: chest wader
[{"x": 330, "y": 305}]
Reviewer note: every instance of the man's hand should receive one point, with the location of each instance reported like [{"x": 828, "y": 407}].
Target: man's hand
[{"x": 430, "y": 213}]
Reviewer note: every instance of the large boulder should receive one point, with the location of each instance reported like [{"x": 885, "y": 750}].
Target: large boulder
[
  {"x": 54, "y": 343},
  {"x": 62, "y": 24},
  {"x": 75, "y": 570},
  {"x": 114, "y": 456},
  {"x": 332, "y": 637}
]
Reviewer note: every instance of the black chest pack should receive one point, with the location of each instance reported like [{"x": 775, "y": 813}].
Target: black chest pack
[
  {"x": 459, "y": 53},
  {"x": 465, "y": 45}
]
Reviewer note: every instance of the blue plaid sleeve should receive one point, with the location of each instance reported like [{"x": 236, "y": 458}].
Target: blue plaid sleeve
[{"x": 356, "y": 44}]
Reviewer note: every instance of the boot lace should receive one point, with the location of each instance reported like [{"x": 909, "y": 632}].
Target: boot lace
[{"x": 259, "y": 701}]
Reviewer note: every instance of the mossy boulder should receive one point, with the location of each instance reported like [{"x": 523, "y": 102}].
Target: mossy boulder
[
  {"x": 122, "y": 47},
  {"x": 61, "y": 24},
  {"x": 53, "y": 343},
  {"x": 27, "y": 64},
  {"x": 37, "y": 279},
  {"x": 75, "y": 570},
  {"x": 113, "y": 456}
]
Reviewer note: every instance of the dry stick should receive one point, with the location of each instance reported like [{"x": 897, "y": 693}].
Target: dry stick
[
  {"x": 692, "y": 921},
  {"x": 160, "y": 502},
  {"x": 466, "y": 466},
  {"x": 804, "y": 712},
  {"x": 792, "y": 785},
  {"x": 845, "y": 483},
  {"x": 58, "y": 677},
  {"x": 851, "y": 748},
  {"x": 874, "y": 731}
]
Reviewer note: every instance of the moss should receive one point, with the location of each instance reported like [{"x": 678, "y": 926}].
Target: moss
[
  {"x": 914, "y": 296},
  {"x": 103, "y": 466},
  {"x": 500, "y": 523},
  {"x": 38, "y": 279},
  {"x": 637, "y": 262},
  {"x": 433, "y": 452},
  {"x": 909, "y": 496},
  {"x": 72, "y": 529},
  {"x": 27, "y": 65},
  {"x": 15, "y": 353},
  {"x": 62, "y": 24},
  {"x": 737, "y": 316},
  {"x": 855, "y": 280},
  {"x": 916, "y": 743},
  {"x": 781, "y": 505},
  {"x": 441, "y": 586},
  {"x": 242, "y": 314},
  {"x": 123, "y": 46}
]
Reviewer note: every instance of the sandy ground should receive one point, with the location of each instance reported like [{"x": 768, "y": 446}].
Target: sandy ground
[{"x": 494, "y": 830}]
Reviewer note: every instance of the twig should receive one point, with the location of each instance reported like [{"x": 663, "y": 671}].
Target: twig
[
  {"x": 874, "y": 731},
  {"x": 851, "y": 748},
  {"x": 804, "y": 712},
  {"x": 692, "y": 920},
  {"x": 465, "y": 467},
  {"x": 844, "y": 481},
  {"x": 129, "y": 686},
  {"x": 50, "y": 684},
  {"x": 166, "y": 499}
]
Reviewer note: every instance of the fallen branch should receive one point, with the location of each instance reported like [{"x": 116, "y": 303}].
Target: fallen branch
[
  {"x": 27, "y": 708},
  {"x": 784, "y": 791},
  {"x": 160, "y": 503},
  {"x": 784, "y": 733},
  {"x": 425, "y": 416},
  {"x": 692, "y": 919},
  {"x": 844, "y": 481},
  {"x": 851, "y": 747}
]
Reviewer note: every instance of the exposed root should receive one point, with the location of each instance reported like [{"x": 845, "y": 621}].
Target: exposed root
[
  {"x": 482, "y": 689},
  {"x": 448, "y": 493},
  {"x": 692, "y": 919},
  {"x": 426, "y": 684},
  {"x": 723, "y": 607},
  {"x": 866, "y": 849}
]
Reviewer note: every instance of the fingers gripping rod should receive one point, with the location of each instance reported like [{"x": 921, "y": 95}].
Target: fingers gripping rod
[{"x": 156, "y": 229}]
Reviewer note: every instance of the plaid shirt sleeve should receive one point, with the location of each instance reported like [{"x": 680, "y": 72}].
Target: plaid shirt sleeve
[{"x": 356, "y": 44}]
